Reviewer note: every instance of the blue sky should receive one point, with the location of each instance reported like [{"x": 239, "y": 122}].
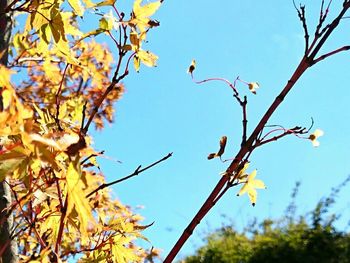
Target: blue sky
[{"x": 163, "y": 111}]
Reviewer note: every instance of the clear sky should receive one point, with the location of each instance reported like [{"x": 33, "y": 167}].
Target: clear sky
[{"x": 163, "y": 111}]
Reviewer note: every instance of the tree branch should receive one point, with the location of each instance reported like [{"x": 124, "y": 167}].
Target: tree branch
[
  {"x": 328, "y": 31},
  {"x": 302, "y": 18},
  {"x": 135, "y": 173},
  {"x": 247, "y": 148},
  {"x": 324, "y": 56}
]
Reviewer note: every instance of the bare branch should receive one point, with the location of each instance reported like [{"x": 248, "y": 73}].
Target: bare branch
[
  {"x": 302, "y": 18},
  {"x": 322, "y": 18},
  {"x": 328, "y": 31},
  {"x": 297, "y": 131},
  {"x": 244, "y": 121},
  {"x": 136, "y": 172},
  {"x": 324, "y": 56}
]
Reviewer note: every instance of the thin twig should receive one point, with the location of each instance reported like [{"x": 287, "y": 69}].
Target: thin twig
[
  {"x": 135, "y": 173},
  {"x": 244, "y": 121},
  {"x": 90, "y": 156},
  {"x": 328, "y": 31},
  {"x": 115, "y": 81},
  {"x": 324, "y": 56},
  {"x": 216, "y": 79},
  {"x": 83, "y": 116},
  {"x": 61, "y": 226},
  {"x": 302, "y": 18}
]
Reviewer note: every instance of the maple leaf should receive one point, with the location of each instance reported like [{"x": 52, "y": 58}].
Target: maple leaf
[
  {"x": 147, "y": 58},
  {"x": 77, "y": 7},
  {"x": 77, "y": 203},
  {"x": 47, "y": 20},
  {"x": 9, "y": 165},
  {"x": 250, "y": 186},
  {"x": 141, "y": 14}
]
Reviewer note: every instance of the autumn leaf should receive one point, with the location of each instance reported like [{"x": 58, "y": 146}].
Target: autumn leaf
[
  {"x": 192, "y": 67},
  {"x": 241, "y": 176},
  {"x": 147, "y": 58},
  {"x": 77, "y": 203},
  {"x": 106, "y": 3},
  {"x": 47, "y": 20},
  {"x": 141, "y": 14},
  {"x": 77, "y": 7},
  {"x": 221, "y": 151},
  {"x": 8, "y": 166},
  {"x": 63, "y": 76},
  {"x": 250, "y": 187}
]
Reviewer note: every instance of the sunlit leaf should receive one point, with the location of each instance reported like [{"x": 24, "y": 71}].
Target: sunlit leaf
[
  {"x": 77, "y": 7},
  {"x": 250, "y": 187},
  {"x": 141, "y": 14},
  {"x": 147, "y": 58},
  {"x": 106, "y": 3},
  {"x": 77, "y": 200}
]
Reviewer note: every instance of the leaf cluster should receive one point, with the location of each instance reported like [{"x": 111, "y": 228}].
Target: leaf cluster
[{"x": 63, "y": 77}]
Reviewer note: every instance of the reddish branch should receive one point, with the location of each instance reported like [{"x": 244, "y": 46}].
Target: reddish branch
[
  {"x": 61, "y": 226},
  {"x": 246, "y": 148}
]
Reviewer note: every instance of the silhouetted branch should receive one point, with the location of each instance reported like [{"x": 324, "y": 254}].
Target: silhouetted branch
[
  {"x": 137, "y": 171},
  {"x": 302, "y": 17},
  {"x": 322, "y": 57},
  {"x": 297, "y": 131},
  {"x": 247, "y": 148}
]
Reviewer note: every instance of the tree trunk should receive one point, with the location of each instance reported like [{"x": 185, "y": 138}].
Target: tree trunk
[{"x": 8, "y": 247}]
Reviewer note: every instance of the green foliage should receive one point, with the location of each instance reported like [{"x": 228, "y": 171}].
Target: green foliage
[{"x": 308, "y": 238}]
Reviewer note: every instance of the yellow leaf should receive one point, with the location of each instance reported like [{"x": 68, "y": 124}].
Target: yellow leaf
[
  {"x": 88, "y": 3},
  {"x": 9, "y": 166},
  {"x": 106, "y": 2},
  {"x": 68, "y": 23},
  {"x": 47, "y": 20},
  {"x": 141, "y": 14},
  {"x": 77, "y": 7},
  {"x": 147, "y": 58},
  {"x": 136, "y": 63},
  {"x": 5, "y": 75},
  {"x": 76, "y": 198},
  {"x": 249, "y": 187},
  {"x": 146, "y": 10}
]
